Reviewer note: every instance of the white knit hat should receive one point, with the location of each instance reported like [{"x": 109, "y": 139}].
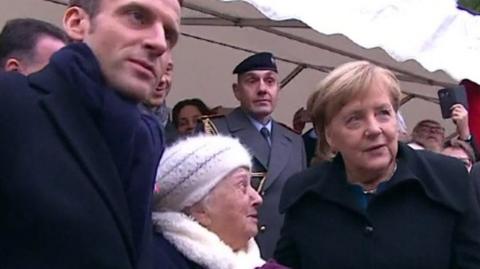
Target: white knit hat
[{"x": 190, "y": 168}]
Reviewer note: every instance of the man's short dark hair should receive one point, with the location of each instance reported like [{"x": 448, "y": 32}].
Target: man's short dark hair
[
  {"x": 92, "y": 7},
  {"x": 19, "y": 37}
]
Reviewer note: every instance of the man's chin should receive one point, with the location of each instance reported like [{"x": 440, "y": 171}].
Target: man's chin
[{"x": 154, "y": 103}]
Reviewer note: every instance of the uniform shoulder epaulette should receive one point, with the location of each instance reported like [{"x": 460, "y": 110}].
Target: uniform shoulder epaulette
[
  {"x": 208, "y": 124},
  {"x": 213, "y": 116},
  {"x": 288, "y": 128}
]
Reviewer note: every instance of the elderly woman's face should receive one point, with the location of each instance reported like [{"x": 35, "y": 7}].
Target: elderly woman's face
[
  {"x": 231, "y": 209},
  {"x": 364, "y": 131}
]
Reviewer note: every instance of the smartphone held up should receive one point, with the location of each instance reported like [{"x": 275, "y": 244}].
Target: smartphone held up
[{"x": 451, "y": 96}]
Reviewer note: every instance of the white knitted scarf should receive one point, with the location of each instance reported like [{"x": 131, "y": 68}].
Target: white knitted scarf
[{"x": 203, "y": 246}]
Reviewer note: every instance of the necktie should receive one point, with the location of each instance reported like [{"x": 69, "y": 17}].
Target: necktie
[{"x": 266, "y": 134}]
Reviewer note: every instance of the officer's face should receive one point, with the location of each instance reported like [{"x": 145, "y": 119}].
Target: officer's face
[
  {"x": 257, "y": 92},
  {"x": 128, "y": 37}
]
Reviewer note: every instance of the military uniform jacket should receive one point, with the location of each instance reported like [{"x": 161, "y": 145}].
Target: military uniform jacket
[{"x": 287, "y": 157}]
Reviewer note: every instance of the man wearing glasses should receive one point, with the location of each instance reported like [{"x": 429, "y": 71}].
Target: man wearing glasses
[{"x": 429, "y": 134}]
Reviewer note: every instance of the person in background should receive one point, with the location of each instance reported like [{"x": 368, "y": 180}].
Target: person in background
[
  {"x": 375, "y": 202},
  {"x": 205, "y": 207},
  {"x": 278, "y": 151},
  {"x": 402, "y": 128},
  {"x": 186, "y": 113},
  {"x": 461, "y": 150},
  {"x": 26, "y": 45},
  {"x": 156, "y": 104},
  {"x": 300, "y": 118},
  {"x": 429, "y": 134},
  {"x": 77, "y": 158}
]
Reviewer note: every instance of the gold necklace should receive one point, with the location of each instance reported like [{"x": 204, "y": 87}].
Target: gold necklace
[{"x": 374, "y": 190}]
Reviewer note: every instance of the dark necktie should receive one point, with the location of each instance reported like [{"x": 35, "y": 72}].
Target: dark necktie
[{"x": 266, "y": 134}]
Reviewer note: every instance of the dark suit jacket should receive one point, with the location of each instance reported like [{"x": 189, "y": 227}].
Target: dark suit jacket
[
  {"x": 475, "y": 177},
  {"x": 287, "y": 157},
  {"x": 425, "y": 216},
  {"x": 166, "y": 256},
  {"x": 310, "y": 145},
  {"x": 61, "y": 199}
]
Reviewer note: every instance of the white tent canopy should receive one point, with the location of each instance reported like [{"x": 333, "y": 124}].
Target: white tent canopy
[
  {"x": 433, "y": 32},
  {"x": 217, "y": 35}
]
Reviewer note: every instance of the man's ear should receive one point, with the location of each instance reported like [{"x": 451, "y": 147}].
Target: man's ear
[
  {"x": 236, "y": 91},
  {"x": 76, "y": 23},
  {"x": 13, "y": 64}
]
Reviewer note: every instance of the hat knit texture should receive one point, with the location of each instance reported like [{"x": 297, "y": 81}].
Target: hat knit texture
[{"x": 192, "y": 167}]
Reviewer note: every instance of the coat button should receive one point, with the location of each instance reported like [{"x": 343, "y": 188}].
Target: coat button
[
  {"x": 263, "y": 228},
  {"x": 368, "y": 230}
]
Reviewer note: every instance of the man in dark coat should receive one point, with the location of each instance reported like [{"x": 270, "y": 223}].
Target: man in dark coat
[
  {"x": 77, "y": 158},
  {"x": 277, "y": 150}
]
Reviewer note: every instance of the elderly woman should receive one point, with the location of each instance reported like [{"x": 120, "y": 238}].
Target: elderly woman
[
  {"x": 205, "y": 211},
  {"x": 375, "y": 202}
]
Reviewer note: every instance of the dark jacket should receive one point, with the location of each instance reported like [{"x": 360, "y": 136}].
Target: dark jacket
[
  {"x": 475, "y": 177},
  {"x": 425, "y": 216},
  {"x": 66, "y": 200},
  {"x": 166, "y": 256},
  {"x": 310, "y": 142}
]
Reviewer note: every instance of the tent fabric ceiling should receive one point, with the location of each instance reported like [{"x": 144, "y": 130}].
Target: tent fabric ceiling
[
  {"x": 206, "y": 55},
  {"x": 440, "y": 38}
]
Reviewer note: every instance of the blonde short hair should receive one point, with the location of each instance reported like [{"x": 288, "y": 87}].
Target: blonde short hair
[{"x": 342, "y": 85}]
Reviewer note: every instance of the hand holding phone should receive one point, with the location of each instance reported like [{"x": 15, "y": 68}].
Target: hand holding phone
[{"x": 448, "y": 97}]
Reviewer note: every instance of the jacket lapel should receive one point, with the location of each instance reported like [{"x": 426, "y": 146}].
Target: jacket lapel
[
  {"x": 240, "y": 126},
  {"x": 87, "y": 145},
  {"x": 281, "y": 145}
]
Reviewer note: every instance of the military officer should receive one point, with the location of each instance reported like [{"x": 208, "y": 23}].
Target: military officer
[{"x": 278, "y": 151}]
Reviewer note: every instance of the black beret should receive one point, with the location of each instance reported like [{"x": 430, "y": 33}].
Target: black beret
[{"x": 259, "y": 61}]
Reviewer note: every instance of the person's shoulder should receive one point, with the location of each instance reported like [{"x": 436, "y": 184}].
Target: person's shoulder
[
  {"x": 445, "y": 179},
  {"x": 289, "y": 132},
  {"x": 440, "y": 162},
  {"x": 212, "y": 124},
  {"x": 304, "y": 182},
  {"x": 12, "y": 80},
  {"x": 13, "y": 87},
  {"x": 167, "y": 256}
]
